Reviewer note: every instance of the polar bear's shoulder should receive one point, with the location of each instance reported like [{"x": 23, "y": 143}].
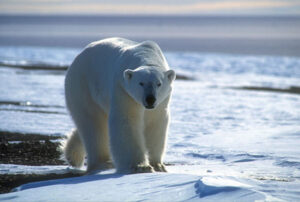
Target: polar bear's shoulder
[{"x": 149, "y": 44}]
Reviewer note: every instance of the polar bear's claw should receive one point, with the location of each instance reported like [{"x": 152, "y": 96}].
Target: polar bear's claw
[
  {"x": 142, "y": 169},
  {"x": 159, "y": 167}
]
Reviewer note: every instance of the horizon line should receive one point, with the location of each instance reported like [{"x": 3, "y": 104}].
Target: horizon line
[{"x": 154, "y": 14}]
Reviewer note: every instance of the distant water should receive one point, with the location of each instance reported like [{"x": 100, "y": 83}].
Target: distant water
[{"x": 239, "y": 35}]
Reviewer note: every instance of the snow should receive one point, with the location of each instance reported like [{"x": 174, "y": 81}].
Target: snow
[
  {"x": 224, "y": 144},
  {"x": 136, "y": 187},
  {"x": 23, "y": 169}
]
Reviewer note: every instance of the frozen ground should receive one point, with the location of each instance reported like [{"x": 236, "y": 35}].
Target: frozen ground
[
  {"x": 219, "y": 137},
  {"x": 138, "y": 187}
]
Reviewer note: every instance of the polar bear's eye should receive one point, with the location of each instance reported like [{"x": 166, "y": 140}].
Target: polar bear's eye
[
  {"x": 141, "y": 84},
  {"x": 159, "y": 84}
]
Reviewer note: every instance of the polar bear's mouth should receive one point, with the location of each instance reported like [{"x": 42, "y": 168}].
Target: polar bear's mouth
[{"x": 150, "y": 107}]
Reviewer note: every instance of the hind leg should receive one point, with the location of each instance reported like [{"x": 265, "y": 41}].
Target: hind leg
[
  {"x": 73, "y": 149},
  {"x": 93, "y": 131}
]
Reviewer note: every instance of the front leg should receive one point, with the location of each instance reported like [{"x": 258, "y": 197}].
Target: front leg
[
  {"x": 127, "y": 142},
  {"x": 156, "y": 135}
]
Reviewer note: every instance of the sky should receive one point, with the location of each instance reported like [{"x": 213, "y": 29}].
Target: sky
[{"x": 158, "y": 7}]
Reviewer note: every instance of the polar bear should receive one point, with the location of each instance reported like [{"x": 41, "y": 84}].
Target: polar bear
[{"x": 117, "y": 92}]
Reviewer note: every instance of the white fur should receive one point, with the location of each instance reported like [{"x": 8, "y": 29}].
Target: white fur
[
  {"x": 107, "y": 90},
  {"x": 74, "y": 156}
]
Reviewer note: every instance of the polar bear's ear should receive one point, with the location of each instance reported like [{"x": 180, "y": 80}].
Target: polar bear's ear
[
  {"x": 171, "y": 75},
  {"x": 128, "y": 74}
]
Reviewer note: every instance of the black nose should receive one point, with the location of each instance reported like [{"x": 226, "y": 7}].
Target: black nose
[{"x": 150, "y": 100}]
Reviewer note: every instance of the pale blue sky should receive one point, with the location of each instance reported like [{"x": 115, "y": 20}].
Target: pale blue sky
[{"x": 193, "y": 7}]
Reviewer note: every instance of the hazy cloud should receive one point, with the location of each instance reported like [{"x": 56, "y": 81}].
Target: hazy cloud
[{"x": 144, "y": 7}]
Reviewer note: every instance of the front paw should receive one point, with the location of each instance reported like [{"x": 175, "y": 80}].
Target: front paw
[
  {"x": 141, "y": 168},
  {"x": 159, "y": 167}
]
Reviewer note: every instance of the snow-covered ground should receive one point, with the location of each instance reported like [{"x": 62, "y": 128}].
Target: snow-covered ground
[
  {"x": 223, "y": 143},
  {"x": 138, "y": 187}
]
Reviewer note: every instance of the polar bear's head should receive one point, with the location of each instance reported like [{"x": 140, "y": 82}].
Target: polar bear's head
[{"x": 148, "y": 85}]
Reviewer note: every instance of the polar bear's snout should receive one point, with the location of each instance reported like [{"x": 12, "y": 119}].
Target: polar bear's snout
[{"x": 150, "y": 101}]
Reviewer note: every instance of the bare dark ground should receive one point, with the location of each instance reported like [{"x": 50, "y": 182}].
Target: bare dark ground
[
  {"x": 29, "y": 149},
  {"x": 291, "y": 89},
  {"x": 34, "y": 153},
  {"x": 10, "y": 181}
]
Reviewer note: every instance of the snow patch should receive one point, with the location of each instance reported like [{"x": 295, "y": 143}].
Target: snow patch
[{"x": 135, "y": 187}]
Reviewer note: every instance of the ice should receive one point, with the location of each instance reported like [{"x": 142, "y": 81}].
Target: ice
[
  {"x": 28, "y": 55},
  {"x": 33, "y": 102},
  {"x": 22, "y": 169},
  {"x": 237, "y": 70},
  {"x": 223, "y": 142}
]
